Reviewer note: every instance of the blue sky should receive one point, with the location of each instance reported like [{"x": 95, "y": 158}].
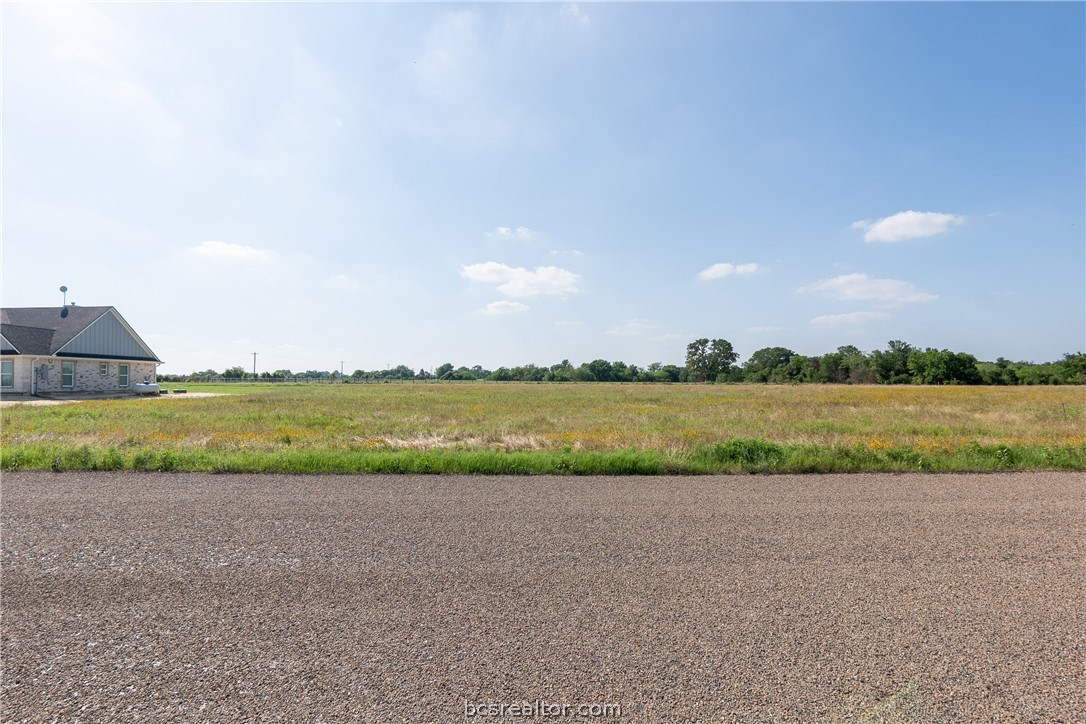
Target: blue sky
[{"x": 501, "y": 184}]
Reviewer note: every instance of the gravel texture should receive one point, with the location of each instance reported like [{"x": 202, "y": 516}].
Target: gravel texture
[{"x": 782, "y": 598}]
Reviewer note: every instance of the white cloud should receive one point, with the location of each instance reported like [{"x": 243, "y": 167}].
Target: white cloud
[
  {"x": 633, "y": 327},
  {"x": 566, "y": 252},
  {"x": 520, "y": 282},
  {"x": 573, "y": 13},
  {"x": 226, "y": 251},
  {"x": 863, "y": 288},
  {"x": 837, "y": 320},
  {"x": 504, "y": 307},
  {"x": 727, "y": 269},
  {"x": 343, "y": 282},
  {"x": 907, "y": 225},
  {"x": 509, "y": 232},
  {"x": 763, "y": 329}
]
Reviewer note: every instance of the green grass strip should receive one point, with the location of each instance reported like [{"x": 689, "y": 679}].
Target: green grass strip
[{"x": 732, "y": 456}]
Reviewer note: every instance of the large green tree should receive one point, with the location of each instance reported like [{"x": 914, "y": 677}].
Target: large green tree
[
  {"x": 709, "y": 361},
  {"x": 762, "y": 364},
  {"x": 943, "y": 367},
  {"x": 892, "y": 364}
]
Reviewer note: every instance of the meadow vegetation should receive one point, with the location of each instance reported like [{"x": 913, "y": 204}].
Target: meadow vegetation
[{"x": 487, "y": 427}]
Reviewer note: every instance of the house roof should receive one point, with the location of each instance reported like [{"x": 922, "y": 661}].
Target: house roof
[{"x": 45, "y": 331}]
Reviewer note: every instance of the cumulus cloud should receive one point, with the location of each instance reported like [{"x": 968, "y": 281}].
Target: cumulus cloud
[
  {"x": 509, "y": 232},
  {"x": 863, "y": 288},
  {"x": 226, "y": 251},
  {"x": 727, "y": 269},
  {"x": 907, "y": 225},
  {"x": 837, "y": 320},
  {"x": 519, "y": 282},
  {"x": 504, "y": 307}
]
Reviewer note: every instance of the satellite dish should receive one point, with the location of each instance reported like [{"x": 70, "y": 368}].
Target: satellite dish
[
  {"x": 64, "y": 312},
  {"x": 64, "y": 289}
]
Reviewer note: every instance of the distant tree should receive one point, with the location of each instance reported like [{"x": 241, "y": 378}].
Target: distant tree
[
  {"x": 847, "y": 364},
  {"x": 763, "y": 364},
  {"x": 462, "y": 373},
  {"x": 443, "y": 372},
  {"x": 400, "y": 372},
  {"x": 601, "y": 369},
  {"x": 561, "y": 372},
  {"x": 502, "y": 374},
  {"x": 943, "y": 367},
  {"x": 892, "y": 364},
  {"x": 234, "y": 373},
  {"x": 583, "y": 374},
  {"x": 621, "y": 372},
  {"x": 1073, "y": 368},
  {"x": 709, "y": 361},
  {"x": 671, "y": 373},
  {"x": 1000, "y": 372},
  {"x": 802, "y": 369}
]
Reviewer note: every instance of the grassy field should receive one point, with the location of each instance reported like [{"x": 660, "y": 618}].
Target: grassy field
[{"x": 567, "y": 429}]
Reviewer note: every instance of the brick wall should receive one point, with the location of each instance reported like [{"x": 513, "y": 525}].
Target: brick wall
[{"x": 87, "y": 376}]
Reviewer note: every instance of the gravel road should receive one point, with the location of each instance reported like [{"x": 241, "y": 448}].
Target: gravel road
[{"x": 753, "y": 598}]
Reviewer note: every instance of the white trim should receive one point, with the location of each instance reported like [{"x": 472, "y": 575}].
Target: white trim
[
  {"x": 73, "y": 357},
  {"x": 9, "y": 344}
]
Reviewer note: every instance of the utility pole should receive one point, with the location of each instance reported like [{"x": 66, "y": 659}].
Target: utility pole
[
  {"x": 254, "y": 364},
  {"x": 341, "y": 369}
]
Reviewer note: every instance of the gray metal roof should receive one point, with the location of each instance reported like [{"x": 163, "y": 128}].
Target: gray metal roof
[{"x": 45, "y": 331}]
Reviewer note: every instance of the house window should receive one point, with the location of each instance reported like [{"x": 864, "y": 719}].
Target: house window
[
  {"x": 7, "y": 373},
  {"x": 122, "y": 375},
  {"x": 67, "y": 374},
  {"x": 103, "y": 368}
]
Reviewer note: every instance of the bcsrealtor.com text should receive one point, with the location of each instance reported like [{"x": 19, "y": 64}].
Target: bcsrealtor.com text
[{"x": 540, "y": 709}]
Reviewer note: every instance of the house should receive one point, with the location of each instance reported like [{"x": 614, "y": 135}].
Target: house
[{"x": 70, "y": 349}]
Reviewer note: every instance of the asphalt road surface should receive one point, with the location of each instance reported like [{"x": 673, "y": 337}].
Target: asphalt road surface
[{"x": 751, "y": 598}]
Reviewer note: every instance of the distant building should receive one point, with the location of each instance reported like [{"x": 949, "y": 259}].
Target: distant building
[{"x": 70, "y": 349}]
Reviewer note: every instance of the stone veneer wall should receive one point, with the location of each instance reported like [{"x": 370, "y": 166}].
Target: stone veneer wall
[{"x": 87, "y": 377}]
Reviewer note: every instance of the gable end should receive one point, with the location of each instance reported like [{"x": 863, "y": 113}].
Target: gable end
[
  {"x": 109, "y": 336},
  {"x": 7, "y": 347}
]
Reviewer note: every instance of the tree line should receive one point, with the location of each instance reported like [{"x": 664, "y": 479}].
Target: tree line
[{"x": 716, "y": 361}]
